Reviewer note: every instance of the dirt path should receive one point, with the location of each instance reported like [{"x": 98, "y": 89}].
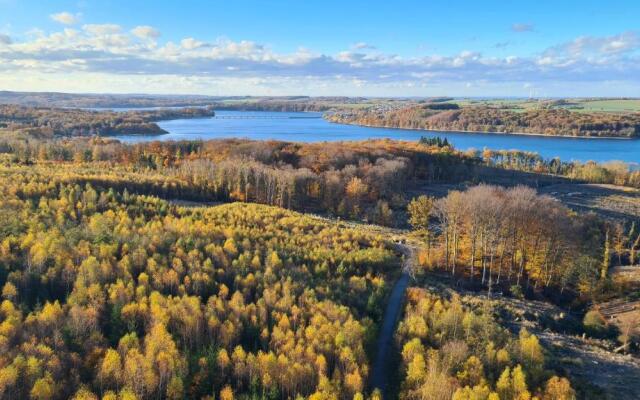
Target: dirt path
[
  {"x": 379, "y": 377},
  {"x": 617, "y": 375},
  {"x": 609, "y": 201},
  {"x": 598, "y": 372}
]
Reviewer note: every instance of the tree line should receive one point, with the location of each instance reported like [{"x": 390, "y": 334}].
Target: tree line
[
  {"x": 45, "y": 122},
  {"x": 545, "y": 121},
  {"x": 365, "y": 180},
  {"x": 512, "y": 239},
  {"x": 613, "y": 172}
]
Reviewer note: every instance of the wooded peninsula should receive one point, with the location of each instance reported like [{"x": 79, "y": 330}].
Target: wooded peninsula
[{"x": 41, "y": 122}]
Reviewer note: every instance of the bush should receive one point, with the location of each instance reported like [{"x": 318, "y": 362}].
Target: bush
[
  {"x": 516, "y": 291},
  {"x": 594, "y": 323},
  {"x": 441, "y": 106}
]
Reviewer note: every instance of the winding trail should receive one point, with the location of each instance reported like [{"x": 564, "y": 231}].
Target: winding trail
[{"x": 379, "y": 378}]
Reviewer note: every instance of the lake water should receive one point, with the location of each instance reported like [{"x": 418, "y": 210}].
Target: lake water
[{"x": 310, "y": 127}]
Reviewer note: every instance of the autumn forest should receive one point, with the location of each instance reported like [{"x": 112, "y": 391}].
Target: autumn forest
[
  {"x": 293, "y": 200},
  {"x": 185, "y": 270}
]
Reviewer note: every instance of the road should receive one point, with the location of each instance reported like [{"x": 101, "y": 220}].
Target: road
[{"x": 379, "y": 377}]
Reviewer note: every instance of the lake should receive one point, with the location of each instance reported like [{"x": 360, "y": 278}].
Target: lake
[{"x": 311, "y": 127}]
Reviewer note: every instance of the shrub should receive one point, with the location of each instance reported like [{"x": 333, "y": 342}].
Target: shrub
[{"x": 594, "y": 323}]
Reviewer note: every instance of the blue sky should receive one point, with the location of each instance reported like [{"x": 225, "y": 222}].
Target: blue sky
[{"x": 400, "y": 48}]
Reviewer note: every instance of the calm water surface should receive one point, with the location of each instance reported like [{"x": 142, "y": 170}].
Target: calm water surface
[{"x": 310, "y": 127}]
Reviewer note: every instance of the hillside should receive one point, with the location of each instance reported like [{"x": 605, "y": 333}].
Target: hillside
[
  {"x": 45, "y": 122},
  {"x": 148, "y": 271},
  {"x": 541, "y": 121}
]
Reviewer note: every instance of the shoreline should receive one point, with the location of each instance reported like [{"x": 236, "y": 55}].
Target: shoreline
[
  {"x": 485, "y": 132},
  {"x": 481, "y": 137},
  {"x": 323, "y": 116}
]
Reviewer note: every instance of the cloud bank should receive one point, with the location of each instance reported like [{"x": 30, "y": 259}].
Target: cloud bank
[{"x": 120, "y": 55}]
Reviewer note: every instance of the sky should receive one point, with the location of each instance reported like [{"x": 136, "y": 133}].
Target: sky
[{"x": 349, "y": 48}]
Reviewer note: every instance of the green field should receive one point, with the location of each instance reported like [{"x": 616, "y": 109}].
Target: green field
[
  {"x": 517, "y": 105},
  {"x": 609, "y": 105},
  {"x": 577, "y": 105}
]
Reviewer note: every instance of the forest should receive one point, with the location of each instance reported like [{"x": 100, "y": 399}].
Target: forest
[
  {"x": 126, "y": 296},
  {"x": 110, "y": 292},
  {"x": 613, "y": 172},
  {"x": 454, "y": 350},
  {"x": 545, "y": 121},
  {"x": 48, "y": 114},
  {"x": 297, "y": 200},
  {"x": 44, "y": 122},
  {"x": 103, "y": 100},
  {"x": 354, "y": 180},
  {"x": 139, "y": 271},
  {"x": 514, "y": 239},
  {"x": 264, "y": 103}
]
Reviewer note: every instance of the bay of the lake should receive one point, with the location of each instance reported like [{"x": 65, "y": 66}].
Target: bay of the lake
[{"x": 311, "y": 127}]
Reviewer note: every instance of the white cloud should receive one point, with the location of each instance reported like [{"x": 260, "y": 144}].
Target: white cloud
[
  {"x": 363, "y": 46},
  {"x": 146, "y": 32},
  {"x": 522, "y": 27},
  {"x": 191, "y": 43},
  {"x": 5, "y": 39},
  {"x": 66, "y": 18},
  {"x": 102, "y": 29},
  {"x": 111, "y": 51},
  {"x": 598, "y": 45},
  {"x": 627, "y": 41},
  {"x": 545, "y": 61}
]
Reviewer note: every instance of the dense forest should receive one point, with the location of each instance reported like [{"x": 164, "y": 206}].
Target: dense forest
[
  {"x": 44, "y": 122},
  {"x": 453, "y": 350},
  {"x": 513, "y": 239},
  {"x": 509, "y": 236},
  {"x": 544, "y": 121},
  {"x": 124, "y": 295},
  {"x": 109, "y": 291},
  {"x": 265, "y": 103},
  {"x": 76, "y": 100},
  {"x": 314, "y": 176},
  {"x": 355, "y": 180},
  {"x": 121, "y": 280}
]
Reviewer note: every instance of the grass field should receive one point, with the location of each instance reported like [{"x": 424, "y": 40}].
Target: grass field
[
  {"x": 508, "y": 104},
  {"x": 609, "y": 105},
  {"x": 577, "y": 105},
  {"x": 583, "y": 105}
]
